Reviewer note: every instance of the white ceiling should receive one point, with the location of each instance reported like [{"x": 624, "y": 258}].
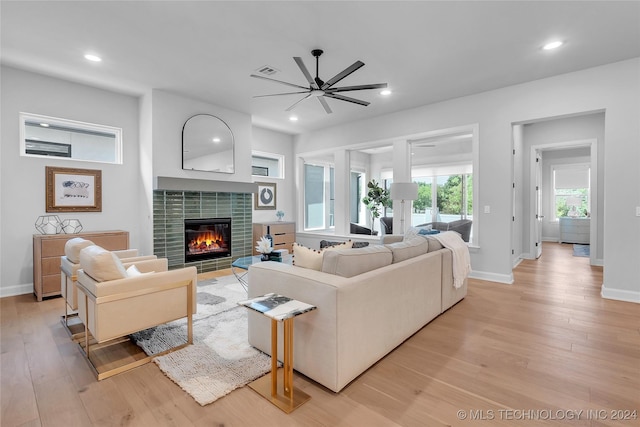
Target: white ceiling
[{"x": 427, "y": 51}]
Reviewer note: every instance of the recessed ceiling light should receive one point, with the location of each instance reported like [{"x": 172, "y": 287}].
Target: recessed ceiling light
[
  {"x": 216, "y": 139},
  {"x": 552, "y": 45},
  {"x": 44, "y": 125},
  {"x": 385, "y": 92},
  {"x": 93, "y": 58},
  {"x": 293, "y": 118}
]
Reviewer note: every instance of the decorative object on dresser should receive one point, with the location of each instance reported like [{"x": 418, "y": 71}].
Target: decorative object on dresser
[
  {"x": 73, "y": 190},
  {"x": 48, "y": 224},
  {"x": 48, "y": 248},
  {"x": 283, "y": 234},
  {"x": 280, "y": 215},
  {"x": 265, "y": 198}
]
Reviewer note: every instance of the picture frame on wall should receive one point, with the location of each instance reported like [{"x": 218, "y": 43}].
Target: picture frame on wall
[
  {"x": 265, "y": 198},
  {"x": 73, "y": 190}
]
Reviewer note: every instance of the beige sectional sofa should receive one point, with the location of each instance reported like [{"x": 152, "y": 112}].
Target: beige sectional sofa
[{"x": 369, "y": 301}]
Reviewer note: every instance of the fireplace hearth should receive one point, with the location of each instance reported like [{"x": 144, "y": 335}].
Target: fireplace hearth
[{"x": 207, "y": 238}]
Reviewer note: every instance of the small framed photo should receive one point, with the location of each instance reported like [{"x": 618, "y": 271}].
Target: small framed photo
[
  {"x": 265, "y": 198},
  {"x": 73, "y": 190}
]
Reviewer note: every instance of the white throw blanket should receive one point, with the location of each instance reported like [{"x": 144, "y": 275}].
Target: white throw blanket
[{"x": 461, "y": 258}]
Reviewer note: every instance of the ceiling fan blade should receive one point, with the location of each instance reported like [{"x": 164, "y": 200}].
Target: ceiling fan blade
[
  {"x": 278, "y": 81},
  {"x": 297, "y": 102},
  {"x": 324, "y": 104},
  {"x": 346, "y": 98},
  {"x": 305, "y": 71},
  {"x": 341, "y": 75},
  {"x": 278, "y": 94},
  {"x": 359, "y": 87}
]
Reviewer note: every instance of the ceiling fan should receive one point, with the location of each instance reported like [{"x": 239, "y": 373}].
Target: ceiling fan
[{"x": 321, "y": 89}]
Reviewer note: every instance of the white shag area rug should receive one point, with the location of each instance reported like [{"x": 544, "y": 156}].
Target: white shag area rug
[{"x": 220, "y": 359}]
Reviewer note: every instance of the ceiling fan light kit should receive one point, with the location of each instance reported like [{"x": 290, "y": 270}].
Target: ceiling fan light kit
[{"x": 320, "y": 89}]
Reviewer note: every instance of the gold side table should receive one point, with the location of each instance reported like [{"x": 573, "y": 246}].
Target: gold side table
[{"x": 278, "y": 387}]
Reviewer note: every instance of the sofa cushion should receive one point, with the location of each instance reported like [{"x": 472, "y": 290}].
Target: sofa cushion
[
  {"x": 434, "y": 244},
  {"x": 415, "y": 231},
  {"x": 408, "y": 248},
  {"x": 101, "y": 264},
  {"x": 311, "y": 258},
  {"x": 73, "y": 247},
  {"x": 351, "y": 262}
]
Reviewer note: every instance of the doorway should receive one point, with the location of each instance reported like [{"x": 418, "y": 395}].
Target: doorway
[{"x": 538, "y": 147}]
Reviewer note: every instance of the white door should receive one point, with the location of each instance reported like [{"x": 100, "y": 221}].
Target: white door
[{"x": 538, "y": 206}]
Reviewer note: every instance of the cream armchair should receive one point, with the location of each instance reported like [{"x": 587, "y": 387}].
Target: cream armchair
[
  {"x": 113, "y": 304},
  {"x": 69, "y": 266}
]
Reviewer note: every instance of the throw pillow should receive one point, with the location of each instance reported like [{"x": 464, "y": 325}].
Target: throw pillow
[
  {"x": 73, "y": 247},
  {"x": 325, "y": 244},
  {"x": 306, "y": 257},
  {"x": 101, "y": 264},
  {"x": 415, "y": 231}
]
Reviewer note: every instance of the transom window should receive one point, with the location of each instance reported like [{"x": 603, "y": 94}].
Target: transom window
[{"x": 43, "y": 136}]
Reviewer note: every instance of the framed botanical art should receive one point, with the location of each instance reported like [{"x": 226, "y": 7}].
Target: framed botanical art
[
  {"x": 73, "y": 190},
  {"x": 265, "y": 198}
]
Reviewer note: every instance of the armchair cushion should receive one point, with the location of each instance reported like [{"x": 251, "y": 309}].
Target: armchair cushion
[
  {"x": 101, "y": 264},
  {"x": 73, "y": 247}
]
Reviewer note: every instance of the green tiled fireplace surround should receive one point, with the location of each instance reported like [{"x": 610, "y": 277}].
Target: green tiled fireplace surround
[{"x": 171, "y": 208}]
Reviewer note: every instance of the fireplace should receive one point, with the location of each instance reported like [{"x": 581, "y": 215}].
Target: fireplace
[{"x": 207, "y": 238}]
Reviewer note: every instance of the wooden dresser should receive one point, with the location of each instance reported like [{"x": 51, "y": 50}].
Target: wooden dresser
[
  {"x": 283, "y": 233},
  {"x": 48, "y": 248}
]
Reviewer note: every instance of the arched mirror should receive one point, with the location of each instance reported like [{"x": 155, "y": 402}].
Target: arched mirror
[{"x": 207, "y": 145}]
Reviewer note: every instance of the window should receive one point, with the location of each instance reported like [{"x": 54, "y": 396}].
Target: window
[
  {"x": 42, "y": 136},
  {"x": 452, "y": 200},
  {"x": 267, "y": 164},
  {"x": 318, "y": 196},
  {"x": 570, "y": 191},
  {"x": 356, "y": 193}
]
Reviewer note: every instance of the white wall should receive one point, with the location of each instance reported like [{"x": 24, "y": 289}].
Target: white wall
[
  {"x": 22, "y": 194},
  {"x": 270, "y": 141},
  {"x": 613, "y": 88}
]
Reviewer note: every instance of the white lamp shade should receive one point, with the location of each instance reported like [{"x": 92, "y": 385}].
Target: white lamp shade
[{"x": 404, "y": 191}]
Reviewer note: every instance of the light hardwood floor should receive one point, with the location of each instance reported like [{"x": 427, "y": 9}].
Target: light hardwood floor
[{"x": 546, "y": 347}]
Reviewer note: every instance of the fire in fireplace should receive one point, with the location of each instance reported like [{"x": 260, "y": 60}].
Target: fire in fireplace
[{"x": 207, "y": 238}]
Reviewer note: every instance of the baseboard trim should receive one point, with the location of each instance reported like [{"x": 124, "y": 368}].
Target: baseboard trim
[
  {"x": 599, "y": 262},
  {"x": 12, "y": 291},
  {"x": 492, "y": 277},
  {"x": 620, "y": 294}
]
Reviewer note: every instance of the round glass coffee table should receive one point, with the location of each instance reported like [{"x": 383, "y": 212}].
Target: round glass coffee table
[{"x": 240, "y": 267}]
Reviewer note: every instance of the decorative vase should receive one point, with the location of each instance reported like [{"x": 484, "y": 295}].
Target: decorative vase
[
  {"x": 264, "y": 257},
  {"x": 48, "y": 224},
  {"x": 71, "y": 226}
]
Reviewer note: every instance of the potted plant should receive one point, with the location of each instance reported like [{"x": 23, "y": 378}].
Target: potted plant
[{"x": 376, "y": 199}]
